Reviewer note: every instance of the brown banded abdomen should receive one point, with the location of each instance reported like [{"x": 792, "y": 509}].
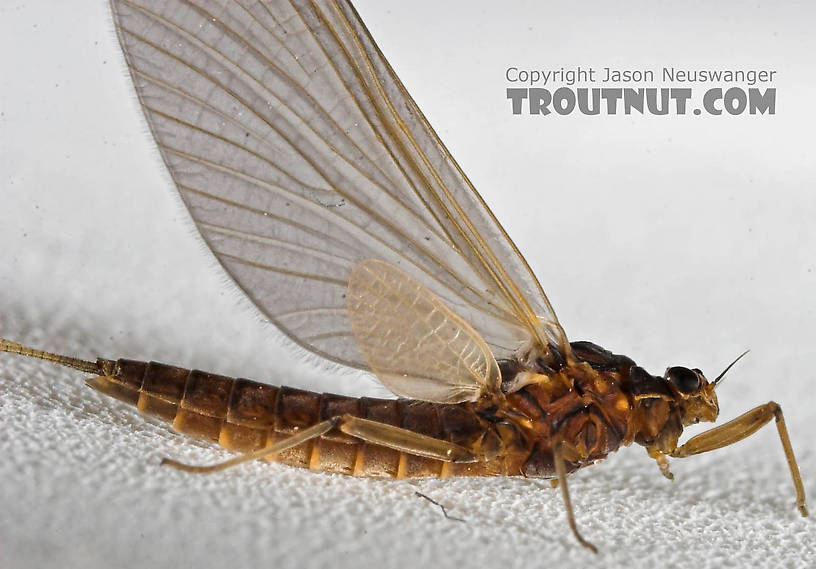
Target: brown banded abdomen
[{"x": 244, "y": 415}]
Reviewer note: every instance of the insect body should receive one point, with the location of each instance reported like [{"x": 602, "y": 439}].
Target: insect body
[
  {"x": 267, "y": 115},
  {"x": 541, "y": 423}
]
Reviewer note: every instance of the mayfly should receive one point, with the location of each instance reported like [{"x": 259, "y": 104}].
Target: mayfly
[{"x": 270, "y": 113}]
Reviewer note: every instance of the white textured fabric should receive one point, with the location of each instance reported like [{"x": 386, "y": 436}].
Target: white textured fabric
[{"x": 679, "y": 242}]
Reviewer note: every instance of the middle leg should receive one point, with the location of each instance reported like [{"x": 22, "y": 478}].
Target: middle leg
[{"x": 561, "y": 471}]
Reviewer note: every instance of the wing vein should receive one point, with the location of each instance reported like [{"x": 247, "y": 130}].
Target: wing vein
[
  {"x": 384, "y": 222},
  {"x": 522, "y": 309},
  {"x": 265, "y": 267},
  {"x": 302, "y": 90}
]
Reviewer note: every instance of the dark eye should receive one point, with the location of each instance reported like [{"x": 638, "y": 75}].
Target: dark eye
[{"x": 683, "y": 378}]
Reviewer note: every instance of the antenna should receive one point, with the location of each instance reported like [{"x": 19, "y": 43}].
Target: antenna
[{"x": 719, "y": 377}]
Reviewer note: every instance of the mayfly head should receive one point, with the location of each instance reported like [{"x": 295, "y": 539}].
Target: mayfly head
[{"x": 694, "y": 393}]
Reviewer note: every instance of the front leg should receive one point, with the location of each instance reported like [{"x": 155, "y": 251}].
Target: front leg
[
  {"x": 662, "y": 462},
  {"x": 742, "y": 427}
]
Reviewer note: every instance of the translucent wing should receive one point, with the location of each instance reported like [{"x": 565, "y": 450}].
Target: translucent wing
[
  {"x": 299, "y": 154},
  {"x": 414, "y": 343}
]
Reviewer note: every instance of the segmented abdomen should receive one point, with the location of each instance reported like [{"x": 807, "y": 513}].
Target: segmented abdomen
[{"x": 244, "y": 415}]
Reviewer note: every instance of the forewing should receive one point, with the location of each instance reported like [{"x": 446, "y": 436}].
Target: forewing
[
  {"x": 299, "y": 154},
  {"x": 414, "y": 343}
]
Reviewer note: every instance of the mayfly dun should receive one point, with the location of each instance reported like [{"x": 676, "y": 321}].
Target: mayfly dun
[{"x": 264, "y": 113}]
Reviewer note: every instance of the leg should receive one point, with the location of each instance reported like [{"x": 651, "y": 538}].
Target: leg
[
  {"x": 662, "y": 462},
  {"x": 405, "y": 440},
  {"x": 369, "y": 431},
  {"x": 561, "y": 471},
  {"x": 298, "y": 438},
  {"x": 741, "y": 427}
]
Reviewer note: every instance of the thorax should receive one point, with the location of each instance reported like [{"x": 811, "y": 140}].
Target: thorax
[{"x": 590, "y": 403}]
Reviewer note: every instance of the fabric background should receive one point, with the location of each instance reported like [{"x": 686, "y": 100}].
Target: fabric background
[{"x": 675, "y": 240}]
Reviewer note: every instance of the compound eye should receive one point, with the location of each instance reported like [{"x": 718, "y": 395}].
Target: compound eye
[{"x": 683, "y": 378}]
